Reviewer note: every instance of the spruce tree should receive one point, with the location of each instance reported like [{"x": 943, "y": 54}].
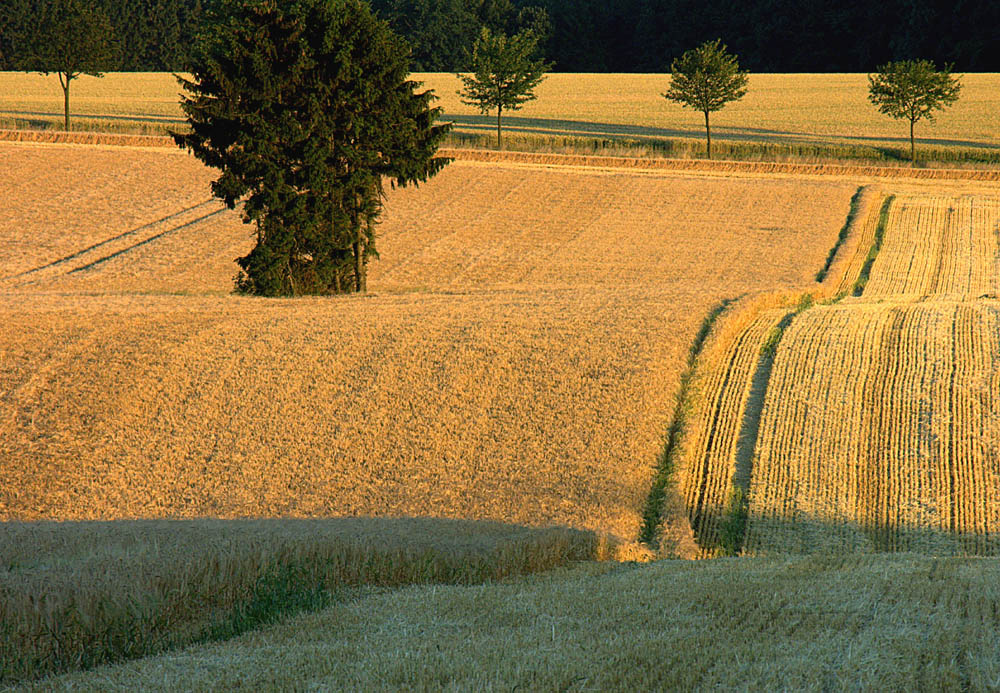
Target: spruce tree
[{"x": 307, "y": 108}]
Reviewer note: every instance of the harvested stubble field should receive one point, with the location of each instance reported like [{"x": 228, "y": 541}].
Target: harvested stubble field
[
  {"x": 793, "y": 112},
  {"x": 874, "y": 425},
  {"x": 516, "y": 360}
]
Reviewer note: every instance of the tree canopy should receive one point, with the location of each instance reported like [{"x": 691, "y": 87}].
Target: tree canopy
[
  {"x": 601, "y": 36},
  {"x": 912, "y": 90},
  {"x": 505, "y": 73},
  {"x": 306, "y": 109},
  {"x": 70, "y": 39},
  {"x": 706, "y": 78}
]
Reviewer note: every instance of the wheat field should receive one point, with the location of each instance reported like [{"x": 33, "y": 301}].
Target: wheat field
[
  {"x": 888, "y": 622},
  {"x": 878, "y": 433},
  {"x": 874, "y": 422},
  {"x": 515, "y": 361},
  {"x": 780, "y": 108}
]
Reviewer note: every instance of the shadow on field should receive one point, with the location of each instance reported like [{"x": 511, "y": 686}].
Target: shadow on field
[
  {"x": 738, "y": 134},
  {"x": 80, "y": 594},
  {"x": 801, "y": 533}
]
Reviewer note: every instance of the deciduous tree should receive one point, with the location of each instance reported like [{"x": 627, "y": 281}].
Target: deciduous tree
[
  {"x": 71, "y": 38},
  {"x": 307, "y": 108},
  {"x": 913, "y": 90},
  {"x": 505, "y": 73},
  {"x": 706, "y": 78}
]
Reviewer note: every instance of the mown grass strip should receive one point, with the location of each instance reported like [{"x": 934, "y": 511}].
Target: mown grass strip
[
  {"x": 866, "y": 269},
  {"x": 667, "y": 462},
  {"x": 844, "y": 232}
]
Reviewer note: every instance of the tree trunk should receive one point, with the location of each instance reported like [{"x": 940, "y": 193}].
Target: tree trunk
[
  {"x": 499, "y": 111},
  {"x": 360, "y": 281},
  {"x": 708, "y": 136},
  {"x": 913, "y": 148},
  {"x": 65, "y": 86}
]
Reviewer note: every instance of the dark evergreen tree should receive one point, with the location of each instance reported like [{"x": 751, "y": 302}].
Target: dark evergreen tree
[
  {"x": 70, "y": 39},
  {"x": 306, "y": 107}
]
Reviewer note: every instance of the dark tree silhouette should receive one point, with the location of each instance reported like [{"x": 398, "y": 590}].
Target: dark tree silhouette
[
  {"x": 70, "y": 39},
  {"x": 307, "y": 108}
]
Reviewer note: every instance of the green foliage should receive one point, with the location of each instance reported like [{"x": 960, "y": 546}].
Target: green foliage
[
  {"x": 505, "y": 73},
  {"x": 70, "y": 39},
  {"x": 652, "y": 515},
  {"x": 912, "y": 90},
  {"x": 733, "y": 530},
  {"x": 307, "y": 110},
  {"x": 706, "y": 78}
]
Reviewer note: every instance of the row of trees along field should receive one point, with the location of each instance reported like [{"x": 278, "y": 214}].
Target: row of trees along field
[{"x": 595, "y": 35}]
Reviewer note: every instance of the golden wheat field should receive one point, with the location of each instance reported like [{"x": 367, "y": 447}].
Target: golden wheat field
[
  {"x": 789, "y": 108},
  {"x": 878, "y": 433},
  {"x": 873, "y": 425},
  {"x": 516, "y": 360}
]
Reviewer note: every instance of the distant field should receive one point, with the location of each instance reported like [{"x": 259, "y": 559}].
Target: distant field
[{"x": 821, "y": 116}]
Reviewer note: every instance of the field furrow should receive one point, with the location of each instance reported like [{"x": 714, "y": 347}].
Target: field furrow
[
  {"x": 938, "y": 246},
  {"x": 723, "y": 386},
  {"x": 877, "y": 435}
]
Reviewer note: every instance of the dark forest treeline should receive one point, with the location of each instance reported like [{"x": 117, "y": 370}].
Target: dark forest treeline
[{"x": 602, "y": 36}]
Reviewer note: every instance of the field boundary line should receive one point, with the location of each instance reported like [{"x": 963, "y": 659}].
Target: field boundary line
[{"x": 579, "y": 160}]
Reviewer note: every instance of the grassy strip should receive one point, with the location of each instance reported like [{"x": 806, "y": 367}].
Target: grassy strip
[
  {"x": 667, "y": 462},
  {"x": 883, "y": 218},
  {"x": 608, "y": 145},
  {"x": 842, "y": 236},
  {"x": 94, "y": 593},
  {"x": 688, "y": 148}
]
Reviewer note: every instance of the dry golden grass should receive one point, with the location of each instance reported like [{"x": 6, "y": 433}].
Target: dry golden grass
[
  {"x": 790, "y": 108},
  {"x": 810, "y": 624}
]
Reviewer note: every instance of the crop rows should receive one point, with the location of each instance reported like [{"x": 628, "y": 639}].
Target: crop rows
[
  {"x": 720, "y": 395},
  {"x": 876, "y": 432},
  {"x": 938, "y": 245}
]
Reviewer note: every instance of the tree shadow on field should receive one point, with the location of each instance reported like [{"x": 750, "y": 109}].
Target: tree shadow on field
[
  {"x": 552, "y": 126},
  {"x": 802, "y": 533}
]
